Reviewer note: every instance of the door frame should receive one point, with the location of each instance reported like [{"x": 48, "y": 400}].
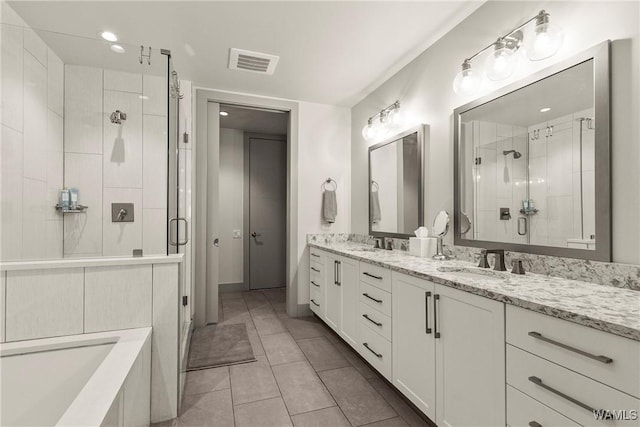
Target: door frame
[
  {"x": 203, "y": 289},
  {"x": 246, "y": 225}
]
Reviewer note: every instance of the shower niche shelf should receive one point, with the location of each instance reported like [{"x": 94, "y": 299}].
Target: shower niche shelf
[{"x": 78, "y": 209}]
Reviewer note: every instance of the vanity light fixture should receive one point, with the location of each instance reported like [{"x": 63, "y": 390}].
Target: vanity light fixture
[
  {"x": 543, "y": 42},
  {"x": 381, "y": 124},
  {"x": 109, "y": 36}
]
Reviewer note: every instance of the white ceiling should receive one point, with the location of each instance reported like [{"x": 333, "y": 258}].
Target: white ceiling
[
  {"x": 330, "y": 52},
  {"x": 252, "y": 120}
]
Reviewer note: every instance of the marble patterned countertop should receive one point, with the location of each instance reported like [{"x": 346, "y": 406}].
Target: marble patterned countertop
[{"x": 601, "y": 307}]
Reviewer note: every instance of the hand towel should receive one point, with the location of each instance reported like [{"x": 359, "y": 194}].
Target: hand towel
[
  {"x": 329, "y": 206},
  {"x": 376, "y": 215}
]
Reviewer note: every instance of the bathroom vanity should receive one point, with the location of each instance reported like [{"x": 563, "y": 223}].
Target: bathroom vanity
[{"x": 471, "y": 346}]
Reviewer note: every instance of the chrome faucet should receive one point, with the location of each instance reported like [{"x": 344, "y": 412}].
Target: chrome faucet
[{"x": 499, "y": 259}]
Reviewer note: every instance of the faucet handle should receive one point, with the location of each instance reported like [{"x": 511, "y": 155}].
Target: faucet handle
[
  {"x": 517, "y": 267},
  {"x": 484, "y": 263}
]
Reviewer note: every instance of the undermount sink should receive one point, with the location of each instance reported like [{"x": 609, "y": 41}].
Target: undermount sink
[{"x": 473, "y": 273}]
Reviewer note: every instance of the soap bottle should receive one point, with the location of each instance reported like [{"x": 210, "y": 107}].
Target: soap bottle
[
  {"x": 64, "y": 198},
  {"x": 73, "y": 198}
]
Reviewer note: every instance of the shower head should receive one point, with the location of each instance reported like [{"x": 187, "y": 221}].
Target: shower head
[{"x": 516, "y": 154}]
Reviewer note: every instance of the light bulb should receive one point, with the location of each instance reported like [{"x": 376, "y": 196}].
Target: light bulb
[
  {"x": 109, "y": 36},
  {"x": 368, "y": 132},
  {"x": 501, "y": 63},
  {"x": 546, "y": 39},
  {"x": 394, "y": 118},
  {"x": 117, "y": 48},
  {"x": 467, "y": 81}
]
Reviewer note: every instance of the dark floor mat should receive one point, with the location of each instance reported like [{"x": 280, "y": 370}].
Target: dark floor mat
[{"x": 219, "y": 345}]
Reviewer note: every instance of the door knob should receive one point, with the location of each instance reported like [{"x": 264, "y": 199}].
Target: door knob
[{"x": 254, "y": 234}]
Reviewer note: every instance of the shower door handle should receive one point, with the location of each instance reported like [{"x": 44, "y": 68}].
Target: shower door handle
[
  {"x": 186, "y": 231},
  {"x": 523, "y": 225}
]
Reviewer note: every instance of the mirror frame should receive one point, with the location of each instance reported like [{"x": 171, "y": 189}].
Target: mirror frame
[
  {"x": 421, "y": 131},
  {"x": 600, "y": 54}
]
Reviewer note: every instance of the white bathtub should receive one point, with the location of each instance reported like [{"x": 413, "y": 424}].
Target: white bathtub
[{"x": 79, "y": 380}]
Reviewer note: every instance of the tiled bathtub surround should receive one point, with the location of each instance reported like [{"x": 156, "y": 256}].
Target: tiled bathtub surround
[
  {"x": 625, "y": 276},
  {"x": 601, "y": 307}
]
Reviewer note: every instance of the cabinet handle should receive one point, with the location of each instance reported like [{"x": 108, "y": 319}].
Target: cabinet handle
[
  {"x": 315, "y": 269},
  {"x": 378, "y": 355},
  {"x": 534, "y": 424},
  {"x": 426, "y": 312},
  {"x": 315, "y": 303},
  {"x": 314, "y": 283},
  {"x": 436, "y": 298},
  {"x": 315, "y": 255},
  {"x": 335, "y": 272},
  {"x": 372, "y": 275},
  {"x": 339, "y": 273},
  {"x": 537, "y": 381},
  {"x": 539, "y": 336},
  {"x": 366, "y": 316},
  {"x": 379, "y": 301}
]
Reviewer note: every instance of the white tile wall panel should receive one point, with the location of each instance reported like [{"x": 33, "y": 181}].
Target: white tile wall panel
[
  {"x": 154, "y": 170},
  {"x": 122, "y": 158},
  {"x": 12, "y": 96},
  {"x": 120, "y": 238},
  {"x": 117, "y": 297},
  {"x": 164, "y": 351},
  {"x": 154, "y": 231},
  {"x": 34, "y": 215},
  {"x": 54, "y": 238},
  {"x": 83, "y": 232},
  {"x": 55, "y": 162},
  {"x": 55, "y": 83},
  {"x": 3, "y": 292},
  {"x": 44, "y": 303},
  {"x": 35, "y": 46},
  {"x": 35, "y": 118},
  {"x": 83, "y": 109},
  {"x": 11, "y": 190},
  {"x": 122, "y": 81},
  {"x": 154, "y": 91}
]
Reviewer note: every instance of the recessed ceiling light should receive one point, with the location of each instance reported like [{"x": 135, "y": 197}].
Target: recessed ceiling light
[
  {"x": 117, "y": 48},
  {"x": 545, "y": 109},
  {"x": 224, "y": 113},
  {"x": 109, "y": 36}
]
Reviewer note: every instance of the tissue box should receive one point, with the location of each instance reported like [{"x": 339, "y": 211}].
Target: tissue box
[{"x": 422, "y": 246}]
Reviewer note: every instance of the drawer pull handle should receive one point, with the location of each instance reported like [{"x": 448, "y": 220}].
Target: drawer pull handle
[
  {"x": 315, "y": 303},
  {"x": 378, "y": 355},
  {"x": 315, "y": 255},
  {"x": 314, "y": 283},
  {"x": 436, "y": 298},
  {"x": 539, "y": 336},
  {"x": 379, "y": 301},
  {"x": 315, "y": 269},
  {"x": 534, "y": 424},
  {"x": 372, "y": 275},
  {"x": 366, "y": 316},
  {"x": 537, "y": 381}
]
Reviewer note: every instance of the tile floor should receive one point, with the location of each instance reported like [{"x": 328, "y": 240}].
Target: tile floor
[{"x": 305, "y": 376}]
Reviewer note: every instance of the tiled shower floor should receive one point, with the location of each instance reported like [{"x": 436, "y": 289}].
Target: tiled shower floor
[{"x": 305, "y": 376}]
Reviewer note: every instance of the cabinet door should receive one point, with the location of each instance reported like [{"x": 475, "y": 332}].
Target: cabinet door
[
  {"x": 413, "y": 342},
  {"x": 333, "y": 303},
  {"x": 470, "y": 359},
  {"x": 349, "y": 279}
]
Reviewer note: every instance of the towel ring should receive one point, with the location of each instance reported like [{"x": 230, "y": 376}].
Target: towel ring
[
  {"x": 374, "y": 186},
  {"x": 330, "y": 181}
]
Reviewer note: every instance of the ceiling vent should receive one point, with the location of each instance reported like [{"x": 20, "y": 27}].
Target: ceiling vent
[{"x": 255, "y": 62}]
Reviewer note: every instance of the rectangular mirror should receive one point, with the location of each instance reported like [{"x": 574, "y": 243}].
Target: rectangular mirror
[
  {"x": 395, "y": 184},
  {"x": 532, "y": 163}
]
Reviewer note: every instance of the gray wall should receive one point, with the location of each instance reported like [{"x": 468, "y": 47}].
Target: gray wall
[{"x": 424, "y": 88}]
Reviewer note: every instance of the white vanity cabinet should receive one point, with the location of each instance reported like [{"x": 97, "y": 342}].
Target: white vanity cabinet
[
  {"x": 317, "y": 282},
  {"x": 448, "y": 352},
  {"x": 564, "y": 368}
]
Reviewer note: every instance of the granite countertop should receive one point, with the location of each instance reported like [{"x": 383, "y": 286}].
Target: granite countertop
[{"x": 598, "y": 306}]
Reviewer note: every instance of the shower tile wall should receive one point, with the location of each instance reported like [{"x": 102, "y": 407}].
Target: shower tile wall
[
  {"x": 112, "y": 163},
  {"x": 31, "y": 151}
]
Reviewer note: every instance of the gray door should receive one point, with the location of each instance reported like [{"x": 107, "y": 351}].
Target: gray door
[{"x": 267, "y": 213}]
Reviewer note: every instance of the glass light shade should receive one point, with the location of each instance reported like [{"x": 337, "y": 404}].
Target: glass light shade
[
  {"x": 394, "y": 118},
  {"x": 544, "y": 42},
  {"x": 368, "y": 132},
  {"x": 380, "y": 130},
  {"x": 501, "y": 63},
  {"x": 467, "y": 82}
]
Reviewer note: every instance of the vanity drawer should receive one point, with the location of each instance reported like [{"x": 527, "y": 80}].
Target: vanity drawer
[
  {"x": 376, "y": 320},
  {"x": 379, "y": 277},
  {"x": 316, "y": 301},
  {"x": 556, "y": 387},
  {"x": 317, "y": 270},
  {"x": 375, "y": 349},
  {"x": 531, "y": 331},
  {"x": 523, "y": 411},
  {"x": 376, "y": 298},
  {"x": 316, "y": 255}
]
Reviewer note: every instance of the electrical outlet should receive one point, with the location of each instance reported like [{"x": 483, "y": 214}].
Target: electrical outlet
[{"x": 237, "y": 234}]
